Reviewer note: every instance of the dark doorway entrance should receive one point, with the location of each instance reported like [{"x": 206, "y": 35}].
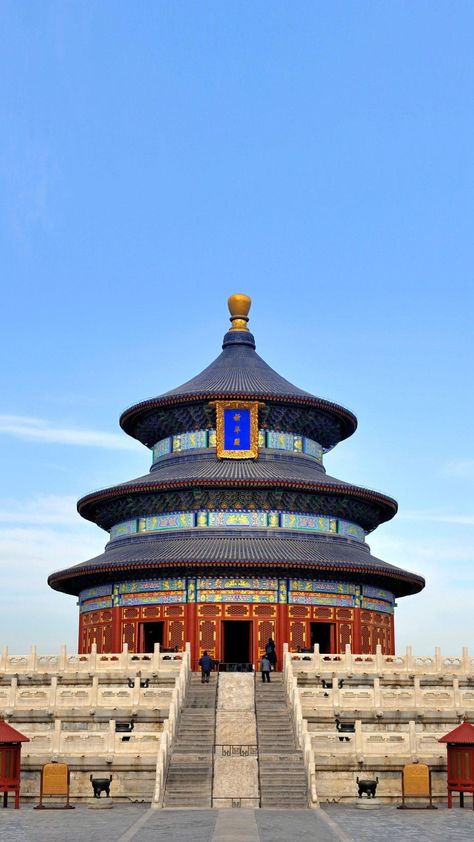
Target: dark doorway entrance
[
  {"x": 323, "y": 633},
  {"x": 237, "y": 641},
  {"x": 150, "y": 633}
]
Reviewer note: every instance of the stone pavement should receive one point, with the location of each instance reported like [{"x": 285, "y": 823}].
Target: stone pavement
[{"x": 333, "y": 823}]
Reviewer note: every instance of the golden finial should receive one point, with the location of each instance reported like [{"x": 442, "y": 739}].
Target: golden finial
[{"x": 239, "y": 306}]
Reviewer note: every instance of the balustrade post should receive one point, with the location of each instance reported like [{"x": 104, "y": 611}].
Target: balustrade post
[
  {"x": 111, "y": 741},
  {"x": 4, "y": 659},
  {"x": 93, "y": 658},
  {"x": 409, "y": 659},
  {"x": 336, "y": 696},
  {"x": 347, "y": 658},
  {"x": 438, "y": 660},
  {"x": 13, "y": 692},
  {"x": 379, "y": 658},
  {"x": 32, "y": 659},
  {"x": 377, "y": 697},
  {"x": 124, "y": 656},
  {"x": 62, "y": 658},
  {"x": 156, "y": 657},
  {"x": 56, "y": 740},
  {"x": 52, "y": 692},
  {"x": 316, "y": 658},
  {"x": 418, "y": 694},
  {"x": 358, "y": 740},
  {"x": 457, "y": 697},
  {"x": 136, "y": 694},
  {"x": 466, "y": 663},
  {"x": 94, "y": 693},
  {"x": 412, "y": 739}
]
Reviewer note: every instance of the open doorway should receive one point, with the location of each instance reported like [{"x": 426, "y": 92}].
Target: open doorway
[
  {"x": 150, "y": 633},
  {"x": 323, "y": 633},
  {"x": 237, "y": 641}
]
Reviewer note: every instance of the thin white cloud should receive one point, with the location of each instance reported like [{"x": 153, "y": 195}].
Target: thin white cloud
[
  {"x": 37, "y": 429},
  {"x": 42, "y": 510}
]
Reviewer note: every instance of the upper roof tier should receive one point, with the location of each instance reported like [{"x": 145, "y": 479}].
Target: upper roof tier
[{"x": 238, "y": 372}]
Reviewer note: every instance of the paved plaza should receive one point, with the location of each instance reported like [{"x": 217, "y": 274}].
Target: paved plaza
[{"x": 333, "y": 823}]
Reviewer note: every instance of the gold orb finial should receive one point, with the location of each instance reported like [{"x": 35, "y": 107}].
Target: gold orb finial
[{"x": 239, "y": 306}]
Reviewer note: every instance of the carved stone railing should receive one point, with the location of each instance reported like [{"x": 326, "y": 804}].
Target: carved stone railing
[
  {"x": 91, "y": 663},
  {"x": 348, "y": 663},
  {"x": 367, "y": 745},
  {"x": 300, "y": 727},
  {"x": 170, "y": 726}
]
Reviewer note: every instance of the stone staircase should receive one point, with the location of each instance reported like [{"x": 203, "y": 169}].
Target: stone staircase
[
  {"x": 282, "y": 773},
  {"x": 189, "y": 778}
]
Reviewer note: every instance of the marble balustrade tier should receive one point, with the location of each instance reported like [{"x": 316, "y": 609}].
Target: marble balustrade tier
[
  {"x": 368, "y": 715},
  {"x": 109, "y": 714}
]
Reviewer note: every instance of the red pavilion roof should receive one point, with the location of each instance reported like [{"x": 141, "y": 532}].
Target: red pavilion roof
[
  {"x": 11, "y": 735},
  {"x": 464, "y": 734}
]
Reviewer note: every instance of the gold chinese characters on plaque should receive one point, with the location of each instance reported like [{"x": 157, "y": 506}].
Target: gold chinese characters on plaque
[{"x": 237, "y": 429}]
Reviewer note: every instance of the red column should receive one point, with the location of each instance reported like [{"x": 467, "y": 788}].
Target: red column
[
  {"x": 392, "y": 635},
  {"x": 79, "y": 640},
  {"x": 282, "y": 632},
  {"x": 116, "y": 642},
  {"x": 356, "y": 633},
  {"x": 191, "y": 631}
]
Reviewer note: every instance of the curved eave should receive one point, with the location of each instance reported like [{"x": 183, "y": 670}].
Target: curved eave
[
  {"x": 388, "y": 506},
  {"x": 130, "y": 416},
  {"x": 283, "y": 554}
]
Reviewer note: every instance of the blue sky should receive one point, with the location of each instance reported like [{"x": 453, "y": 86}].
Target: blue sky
[{"x": 156, "y": 157}]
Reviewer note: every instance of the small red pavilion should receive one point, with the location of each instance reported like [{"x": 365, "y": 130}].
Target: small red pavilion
[
  {"x": 460, "y": 762},
  {"x": 10, "y": 761}
]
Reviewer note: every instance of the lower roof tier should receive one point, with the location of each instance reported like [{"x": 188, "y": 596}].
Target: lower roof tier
[{"x": 220, "y": 551}]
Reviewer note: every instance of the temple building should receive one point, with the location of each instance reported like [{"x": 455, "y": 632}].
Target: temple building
[{"x": 237, "y": 533}]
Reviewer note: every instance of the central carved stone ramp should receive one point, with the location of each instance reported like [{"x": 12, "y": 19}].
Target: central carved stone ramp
[
  {"x": 189, "y": 778},
  {"x": 283, "y": 781}
]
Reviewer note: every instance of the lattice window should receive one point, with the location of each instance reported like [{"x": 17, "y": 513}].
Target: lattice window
[
  {"x": 106, "y": 615},
  {"x": 299, "y": 611},
  {"x": 174, "y": 611},
  {"x": 208, "y": 636},
  {"x": 176, "y": 633},
  {"x": 378, "y": 636},
  {"x": 236, "y": 610},
  {"x": 344, "y": 614},
  {"x": 151, "y": 611},
  {"x": 263, "y": 611},
  {"x": 366, "y": 616},
  {"x": 365, "y": 639},
  {"x": 297, "y": 634},
  {"x": 265, "y": 630},
  {"x": 131, "y": 613},
  {"x": 209, "y": 610},
  {"x": 323, "y": 613},
  {"x": 345, "y": 635},
  {"x": 107, "y": 638},
  {"x": 95, "y": 617},
  {"x": 128, "y": 634}
]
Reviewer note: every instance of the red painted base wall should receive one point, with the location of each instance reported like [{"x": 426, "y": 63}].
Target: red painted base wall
[{"x": 202, "y": 625}]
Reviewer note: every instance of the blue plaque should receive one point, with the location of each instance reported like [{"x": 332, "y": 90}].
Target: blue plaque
[{"x": 237, "y": 429}]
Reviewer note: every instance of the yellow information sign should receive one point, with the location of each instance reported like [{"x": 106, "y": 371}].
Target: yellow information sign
[
  {"x": 55, "y": 779},
  {"x": 416, "y": 783},
  {"x": 54, "y": 782},
  {"x": 416, "y": 780}
]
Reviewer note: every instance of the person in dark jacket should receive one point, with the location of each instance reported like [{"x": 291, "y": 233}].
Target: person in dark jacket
[
  {"x": 265, "y": 668},
  {"x": 270, "y": 653},
  {"x": 205, "y": 662}
]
